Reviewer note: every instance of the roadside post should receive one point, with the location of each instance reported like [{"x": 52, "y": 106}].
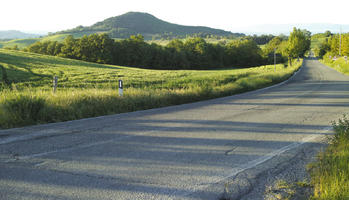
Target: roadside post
[
  {"x": 55, "y": 83},
  {"x": 346, "y": 59},
  {"x": 274, "y": 59},
  {"x": 121, "y": 88}
]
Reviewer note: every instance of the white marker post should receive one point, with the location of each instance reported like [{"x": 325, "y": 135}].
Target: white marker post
[
  {"x": 274, "y": 59},
  {"x": 55, "y": 83},
  {"x": 120, "y": 88}
]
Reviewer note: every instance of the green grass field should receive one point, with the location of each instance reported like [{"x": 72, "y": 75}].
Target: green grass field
[
  {"x": 20, "y": 43},
  {"x": 88, "y": 89},
  {"x": 316, "y": 42},
  {"x": 23, "y": 43}
]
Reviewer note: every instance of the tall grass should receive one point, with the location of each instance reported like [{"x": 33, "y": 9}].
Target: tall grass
[
  {"x": 339, "y": 64},
  {"x": 330, "y": 174},
  {"x": 89, "y": 90}
]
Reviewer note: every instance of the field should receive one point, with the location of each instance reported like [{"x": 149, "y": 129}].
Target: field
[
  {"x": 316, "y": 42},
  {"x": 23, "y": 43},
  {"x": 20, "y": 43},
  {"x": 88, "y": 89},
  {"x": 164, "y": 42}
]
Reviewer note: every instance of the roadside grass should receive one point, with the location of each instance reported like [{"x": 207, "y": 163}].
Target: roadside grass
[
  {"x": 339, "y": 64},
  {"x": 89, "y": 89},
  {"x": 330, "y": 173}
]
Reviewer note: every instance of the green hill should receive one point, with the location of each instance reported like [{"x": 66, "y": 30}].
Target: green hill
[
  {"x": 133, "y": 23},
  {"x": 123, "y": 26},
  {"x": 12, "y": 34},
  {"x": 22, "y": 43}
]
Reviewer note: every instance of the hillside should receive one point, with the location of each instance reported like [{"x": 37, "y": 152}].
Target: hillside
[
  {"x": 16, "y": 35},
  {"x": 88, "y": 89},
  {"x": 133, "y": 23}
]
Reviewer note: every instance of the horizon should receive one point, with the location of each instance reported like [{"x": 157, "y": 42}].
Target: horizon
[
  {"x": 283, "y": 29},
  {"x": 39, "y": 16}
]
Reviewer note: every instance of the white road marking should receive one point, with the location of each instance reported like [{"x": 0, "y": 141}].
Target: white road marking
[{"x": 258, "y": 161}]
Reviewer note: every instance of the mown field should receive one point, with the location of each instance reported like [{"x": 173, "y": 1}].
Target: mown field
[
  {"x": 23, "y": 43},
  {"x": 88, "y": 89}
]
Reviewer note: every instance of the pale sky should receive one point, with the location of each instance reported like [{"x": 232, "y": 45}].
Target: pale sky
[{"x": 230, "y": 15}]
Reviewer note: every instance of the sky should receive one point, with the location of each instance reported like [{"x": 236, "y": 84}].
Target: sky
[{"x": 230, "y": 15}]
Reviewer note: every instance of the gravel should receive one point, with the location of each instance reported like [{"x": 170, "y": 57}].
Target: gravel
[{"x": 282, "y": 177}]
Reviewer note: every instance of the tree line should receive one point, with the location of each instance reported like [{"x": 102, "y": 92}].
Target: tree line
[
  {"x": 192, "y": 53},
  {"x": 333, "y": 45}
]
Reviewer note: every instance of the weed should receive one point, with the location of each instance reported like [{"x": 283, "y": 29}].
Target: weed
[{"x": 330, "y": 173}]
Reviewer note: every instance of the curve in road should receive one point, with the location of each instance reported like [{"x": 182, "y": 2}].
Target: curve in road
[{"x": 181, "y": 152}]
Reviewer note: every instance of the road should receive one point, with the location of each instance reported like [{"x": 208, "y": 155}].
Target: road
[{"x": 189, "y": 151}]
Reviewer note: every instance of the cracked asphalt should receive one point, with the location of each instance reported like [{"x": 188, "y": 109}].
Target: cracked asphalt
[{"x": 202, "y": 150}]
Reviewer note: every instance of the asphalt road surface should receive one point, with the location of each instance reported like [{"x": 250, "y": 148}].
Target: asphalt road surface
[{"x": 189, "y": 151}]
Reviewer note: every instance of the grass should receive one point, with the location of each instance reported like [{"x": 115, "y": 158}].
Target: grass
[
  {"x": 330, "y": 173},
  {"x": 23, "y": 43},
  {"x": 165, "y": 42},
  {"x": 58, "y": 38},
  {"x": 88, "y": 89},
  {"x": 316, "y": 42},
  {"x": 20, "y": 43},
  {"x": 340, "y": 64}
]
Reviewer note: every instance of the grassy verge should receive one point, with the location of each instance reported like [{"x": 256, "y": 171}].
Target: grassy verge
[
  {"x": 330, "y": 174},
  {"x": 89, "y": 90},
  {"x": 339, "y": 64}
]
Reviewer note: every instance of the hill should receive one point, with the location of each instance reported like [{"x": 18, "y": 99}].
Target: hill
[
  {"x": 16, "y": 35},
  {"x": 22, "y": 43},
  {"x": 149, "y": 26},
  {"x": 19, "y": 43}
]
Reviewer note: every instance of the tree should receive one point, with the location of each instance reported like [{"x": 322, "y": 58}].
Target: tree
[
  {"x": 196, "y": 52},
  {"x": 327, "y": 34},
  {"x": 68, "y": 48},
  {"x": 298, "y": 43},
  {"x": 272, "y": 45}
]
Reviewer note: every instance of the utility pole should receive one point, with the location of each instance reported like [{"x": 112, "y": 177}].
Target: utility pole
[{"x": 340, "y": 41}]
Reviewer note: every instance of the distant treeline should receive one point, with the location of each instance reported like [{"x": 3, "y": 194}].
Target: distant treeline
[
  {"x": 192, "y": 53},
  {"x": 262, "y": 39}
]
